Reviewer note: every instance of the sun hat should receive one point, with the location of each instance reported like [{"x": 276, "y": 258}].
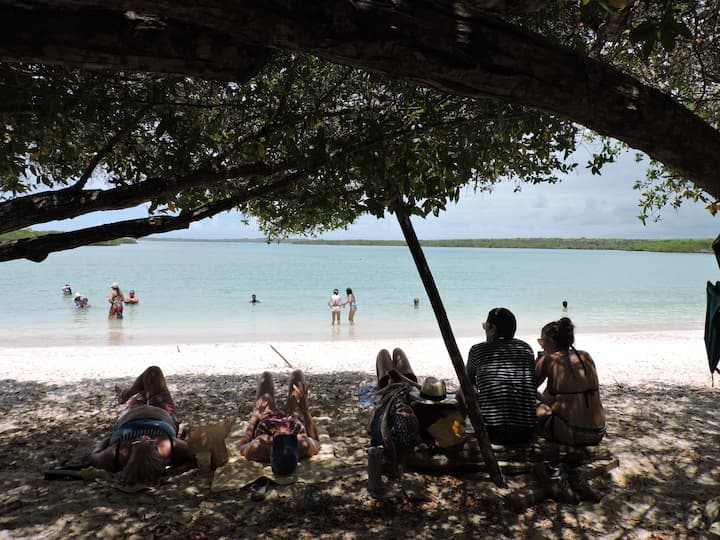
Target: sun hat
[
  {"x": 432, "y": 392},
  {"x": 114, "y": 285},
  {"x": 285, "y": 454},
  {"x": 78, "y": 295}
]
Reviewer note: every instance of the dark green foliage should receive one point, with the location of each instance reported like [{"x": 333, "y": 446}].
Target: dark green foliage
[{"x": 329, "y": 143}]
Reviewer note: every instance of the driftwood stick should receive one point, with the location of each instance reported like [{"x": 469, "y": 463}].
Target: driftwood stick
[{"x": 281, "y": 356}]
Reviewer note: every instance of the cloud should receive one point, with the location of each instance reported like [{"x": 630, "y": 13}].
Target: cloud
[{"x": 582, "y": 205}]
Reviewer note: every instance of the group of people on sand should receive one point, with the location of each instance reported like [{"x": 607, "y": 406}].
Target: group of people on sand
[
  {"x": 116, "y": 299},
  {"x": 336, "y": 303},
  {"x": 502, "y": 369}
]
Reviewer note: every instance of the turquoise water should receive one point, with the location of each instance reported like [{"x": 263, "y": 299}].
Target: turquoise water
[{"x": 199, "y": 292}]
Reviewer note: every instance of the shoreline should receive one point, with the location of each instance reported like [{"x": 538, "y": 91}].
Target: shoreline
[{"x": 632, "y": 358}]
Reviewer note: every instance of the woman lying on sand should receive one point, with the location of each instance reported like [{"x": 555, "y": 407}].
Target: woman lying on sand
[
  {"x": 144, "y": 440},
  {"x": 280, "y": 436}
]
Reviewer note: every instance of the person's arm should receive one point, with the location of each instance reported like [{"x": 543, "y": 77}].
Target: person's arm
[
  {"x": 179, "y": 452},
  {"x": 103, "y": 455},
  {"x": 258, "y": 449},
  {"x": 470, "y": 370},
  {"x": 541, "y": 369}
]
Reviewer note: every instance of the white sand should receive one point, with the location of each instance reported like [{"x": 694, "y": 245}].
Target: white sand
[{"x": 624, "y": 358}]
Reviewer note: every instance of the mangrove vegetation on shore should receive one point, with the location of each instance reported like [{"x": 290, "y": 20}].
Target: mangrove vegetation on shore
[{"x": 701, "y": 245}]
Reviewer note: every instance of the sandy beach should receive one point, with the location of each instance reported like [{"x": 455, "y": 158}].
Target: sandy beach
[
  {"x": 626, "y": 358},
  {"x": 57, "y": 402}
]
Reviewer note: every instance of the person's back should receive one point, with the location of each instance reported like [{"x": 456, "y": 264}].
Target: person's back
[
  {"x": 572, "y": 412},
  {"x": 503, "y": 373},
  {"x": 573, "y": 388}
]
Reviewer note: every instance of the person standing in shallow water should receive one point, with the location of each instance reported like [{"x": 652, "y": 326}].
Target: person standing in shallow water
[
  {"x": 353, "y": 305},
  {"x": 335, "y": 304},
  {"x": 116, "y": 302}
]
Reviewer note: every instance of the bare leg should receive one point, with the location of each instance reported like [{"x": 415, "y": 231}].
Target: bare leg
[
  {"x": 297, "y": 405},
  {"x": 264, "y": 403},
  {"x": 383, "y": 364},
  {"x": 149, "y": 383},
  {"x": 401, "y": 363}
]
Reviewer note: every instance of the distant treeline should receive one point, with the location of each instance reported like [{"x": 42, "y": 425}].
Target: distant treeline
[
  {"x": 702, "y": 245},
  {"x": 29, "y": 233}
]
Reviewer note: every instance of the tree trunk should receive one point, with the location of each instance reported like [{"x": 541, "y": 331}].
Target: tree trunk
[
  {"x": 455, "y": 357},
  {"x": 450, "y": 46}
]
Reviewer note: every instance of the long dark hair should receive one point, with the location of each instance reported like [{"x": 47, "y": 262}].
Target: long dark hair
[{"x": 348, "y": 291}]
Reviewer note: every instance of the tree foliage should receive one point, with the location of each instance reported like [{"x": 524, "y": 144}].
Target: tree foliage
[
  {"x": 669, "y": 45},
  {"x": 306, "y": 146}
]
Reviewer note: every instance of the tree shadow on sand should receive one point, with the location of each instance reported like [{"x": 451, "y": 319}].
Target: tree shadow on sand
[{"x": 665, "y": 437}]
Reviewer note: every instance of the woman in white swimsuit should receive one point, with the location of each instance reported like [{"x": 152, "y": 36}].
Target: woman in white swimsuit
[{"x": 335, "y": 304}]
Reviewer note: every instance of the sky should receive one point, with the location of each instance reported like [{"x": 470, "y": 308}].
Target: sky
[{"x": 582, "y": 205}]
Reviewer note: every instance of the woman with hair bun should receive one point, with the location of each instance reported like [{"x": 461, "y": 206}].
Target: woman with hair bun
[{"x": 570, "y": 411}]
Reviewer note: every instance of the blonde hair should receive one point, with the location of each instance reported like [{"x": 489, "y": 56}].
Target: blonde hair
[{"x": 144, "y": 464}]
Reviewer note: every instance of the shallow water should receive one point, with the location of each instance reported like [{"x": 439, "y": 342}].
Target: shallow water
[{"x": 200, "y": 292}]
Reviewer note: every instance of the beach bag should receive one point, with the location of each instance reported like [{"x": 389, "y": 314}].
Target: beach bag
[{"x": 394, "y": 424}]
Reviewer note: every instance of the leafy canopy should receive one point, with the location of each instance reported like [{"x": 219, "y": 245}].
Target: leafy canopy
[{"x": 329, "y": 143}]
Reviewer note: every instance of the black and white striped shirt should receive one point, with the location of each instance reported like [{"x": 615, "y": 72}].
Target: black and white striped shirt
[{"x": 503, "y": 373}]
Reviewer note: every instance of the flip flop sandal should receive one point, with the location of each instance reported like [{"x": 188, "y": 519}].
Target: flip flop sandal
[
  {"x": 258, "y": 490},
  {"x": 312, "y": 498},
  {"x": 58, "y": 472},
  {"x": 77, "y": 463}
]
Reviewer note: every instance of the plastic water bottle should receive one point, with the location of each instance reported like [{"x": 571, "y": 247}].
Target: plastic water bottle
[{"x": 374, "y": 469}]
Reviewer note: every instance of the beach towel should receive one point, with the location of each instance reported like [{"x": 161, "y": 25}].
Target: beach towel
[
  {"x": 712, "y": 318},
  {"x": 712, "y": 326},
  {"x": 240, "y": 472}
]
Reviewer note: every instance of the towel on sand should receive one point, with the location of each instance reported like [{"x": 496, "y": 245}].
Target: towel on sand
[{"x": 240, "y": 472}]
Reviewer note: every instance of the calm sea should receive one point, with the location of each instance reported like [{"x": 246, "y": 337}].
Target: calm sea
[{"x": 200, "y": 292}]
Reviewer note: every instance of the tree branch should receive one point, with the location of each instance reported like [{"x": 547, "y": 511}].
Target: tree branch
[
  {"x": 38, "y": 248},
  {"x": 68, "y": 203},
  {"x": 105, "y": 150},
  {"x": 450, "y": 46}
]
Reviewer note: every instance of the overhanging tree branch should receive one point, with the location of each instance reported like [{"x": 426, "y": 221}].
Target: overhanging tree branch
[
  {"x": 68, "y": 203},
  {"x": 450, "y": 46},
  {"x": 38, "y": 248}
]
